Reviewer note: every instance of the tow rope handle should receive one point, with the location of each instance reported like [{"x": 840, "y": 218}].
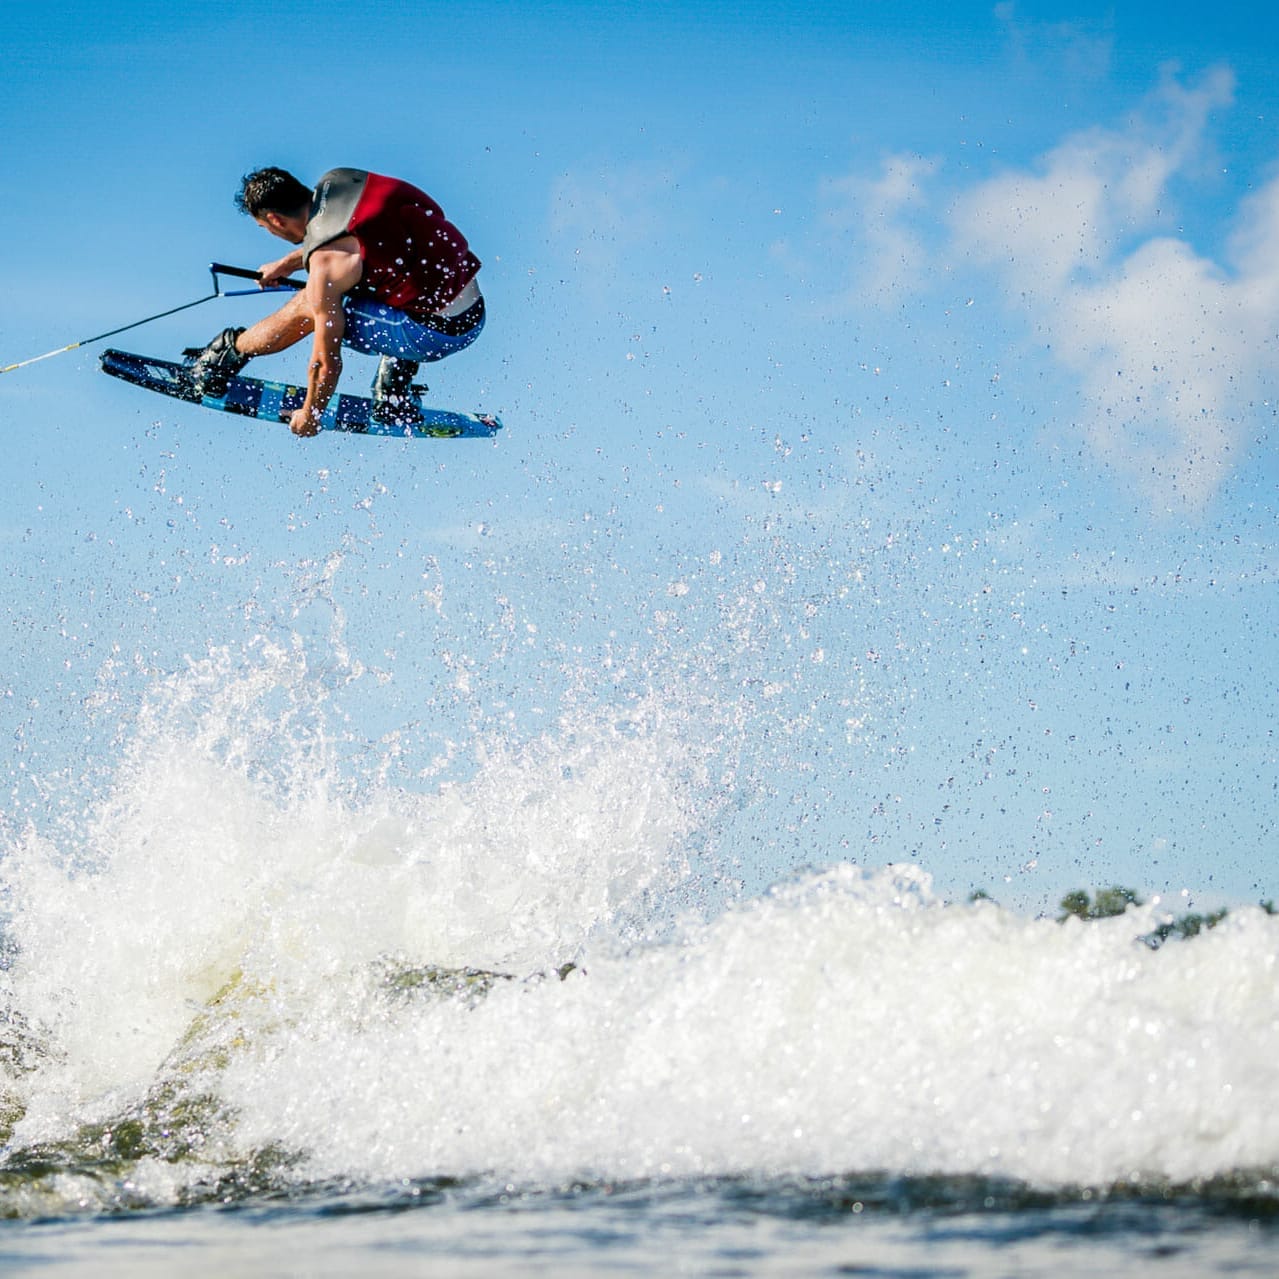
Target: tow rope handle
[{"x": 243, "y": 273}]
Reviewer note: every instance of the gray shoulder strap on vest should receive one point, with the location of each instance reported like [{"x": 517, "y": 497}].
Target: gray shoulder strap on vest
[{"x": 336, "y": 195}]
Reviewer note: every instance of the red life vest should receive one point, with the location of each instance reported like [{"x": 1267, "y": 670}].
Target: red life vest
[{"x": 415, "y": 259}]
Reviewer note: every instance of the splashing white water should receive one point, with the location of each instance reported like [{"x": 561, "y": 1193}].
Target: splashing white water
[
  {"x": 229, "y": 847},
  {"x": 223, "y": 927},
  {"x": 847, "y": 1022}
]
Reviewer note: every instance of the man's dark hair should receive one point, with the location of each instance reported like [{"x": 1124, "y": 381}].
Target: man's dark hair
[{"x": 272, "y": 191}]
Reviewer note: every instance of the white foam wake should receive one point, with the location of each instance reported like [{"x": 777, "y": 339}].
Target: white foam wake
[
  {"x": 239, "y": 930},
  {"x": 846, "y": 1023}
]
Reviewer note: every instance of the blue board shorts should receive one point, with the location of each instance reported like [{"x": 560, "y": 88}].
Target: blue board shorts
[{"x": 377, "y": 329}]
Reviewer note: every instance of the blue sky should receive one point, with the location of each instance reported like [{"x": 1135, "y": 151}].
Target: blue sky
[{"x": 910, "y": 363}]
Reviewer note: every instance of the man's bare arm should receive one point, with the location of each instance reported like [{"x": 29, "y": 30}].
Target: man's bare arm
[
  {"x": 272, "y": 272},
  {"x": 332, "y": 272}
]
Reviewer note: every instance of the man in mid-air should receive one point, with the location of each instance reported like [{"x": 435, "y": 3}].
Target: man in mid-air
[{"x": 387, "y": 274}]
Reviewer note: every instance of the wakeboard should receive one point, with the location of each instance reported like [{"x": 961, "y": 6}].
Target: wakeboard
[{"x": 276, "y": 402}]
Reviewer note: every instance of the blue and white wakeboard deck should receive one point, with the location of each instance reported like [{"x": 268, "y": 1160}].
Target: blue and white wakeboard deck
[{"x": 276, "y": 401}]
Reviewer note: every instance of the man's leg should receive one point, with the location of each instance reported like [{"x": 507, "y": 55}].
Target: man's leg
[
  {"x": 215, "y": 365},
  {"x": 393, "y": 401},
  {"x": 277, "y": 331},
  {"x": 404, "y": 345},
  {"x": 377, "y": 329}
]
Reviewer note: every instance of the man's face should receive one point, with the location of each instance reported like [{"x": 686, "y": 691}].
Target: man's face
[{"x": 284, "y": 227}]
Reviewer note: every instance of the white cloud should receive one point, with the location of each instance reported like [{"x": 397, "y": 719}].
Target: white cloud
[
  {"x": 1076, "y": 52},
  {"x": 877, "y": 212},
  {"x": 1170, "y": 348},
  {"x": 1091, "y": 194},
  {"x": 1168, "y": 345},
  {"x": 601, "y": 219},
  {"x": 1254, "y": 248},
  {"x": 1166, "y": 369}
]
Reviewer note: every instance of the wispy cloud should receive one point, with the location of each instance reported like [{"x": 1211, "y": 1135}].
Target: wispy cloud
[
  {"x": 882, "y": 212},
  {"x": 1077, "y": 51},
  {"x": 601, "y": 218},
  {"x": 1168, "y": 345},
  {"x": 1170, "y": 348}
]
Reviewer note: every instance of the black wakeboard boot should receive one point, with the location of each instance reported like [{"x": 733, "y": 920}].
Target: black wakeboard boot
[
  {"x": 213, "y": 366},
  {"x": 394, "y": 402}
]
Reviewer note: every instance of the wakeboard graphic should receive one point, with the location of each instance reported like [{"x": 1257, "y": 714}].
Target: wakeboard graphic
[{"x": 276, "y": 402}]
